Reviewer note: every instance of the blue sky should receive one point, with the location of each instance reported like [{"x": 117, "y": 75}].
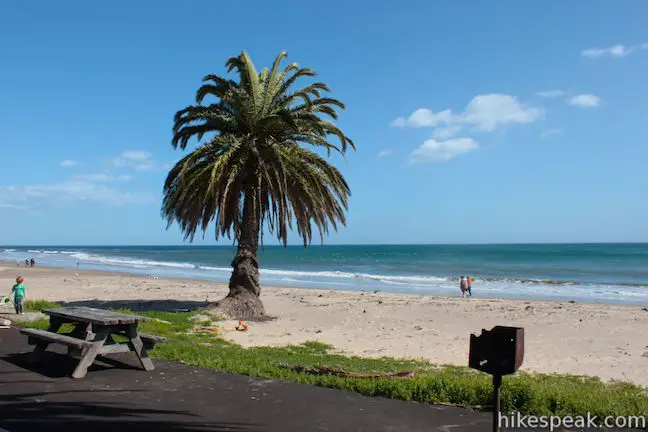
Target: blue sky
[{"x": 475, "y": 121}]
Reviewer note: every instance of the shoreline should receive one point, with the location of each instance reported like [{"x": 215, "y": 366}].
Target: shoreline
[
  {"x": 442, "y": 287},
  {"x": 582, "y": 272},
  {"x": 350, "y": 292},
  {"x": 608, "y": 341},
  {"x": 133, "y": 274}
]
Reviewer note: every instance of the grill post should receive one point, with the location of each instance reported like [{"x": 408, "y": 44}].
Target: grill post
[
  {"x": 497, "y": 352},
  {"x": 497, "y": 384}
]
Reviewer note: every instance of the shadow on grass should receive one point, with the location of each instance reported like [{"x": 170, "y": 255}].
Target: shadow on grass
[{"x": 37, "y": 411}]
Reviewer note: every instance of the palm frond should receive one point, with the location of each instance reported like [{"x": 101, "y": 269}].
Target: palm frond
[{"x": 257, "y": 155}]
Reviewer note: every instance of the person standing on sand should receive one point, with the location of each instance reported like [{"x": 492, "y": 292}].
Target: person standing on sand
[
  {"x": 463, "y": 286},
  {"x": 469, "y": 285},
  {"x": 18, "y": 292}
]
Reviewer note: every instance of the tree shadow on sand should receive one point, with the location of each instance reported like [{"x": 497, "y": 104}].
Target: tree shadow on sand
[
  {"x": 69, "y": 412},
  {"x": 141, "y": 305}
]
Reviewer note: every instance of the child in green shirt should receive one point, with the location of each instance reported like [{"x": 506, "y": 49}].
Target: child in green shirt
[{"x": 18, "y": 292}]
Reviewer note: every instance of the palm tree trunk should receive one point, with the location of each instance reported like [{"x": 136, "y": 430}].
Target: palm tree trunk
[
  {"x": 243, "y": 301},
  {"x": 245, "y": 276}
]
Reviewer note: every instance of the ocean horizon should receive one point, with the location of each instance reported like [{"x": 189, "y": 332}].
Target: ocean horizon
[{"x": 614, "y": 273}]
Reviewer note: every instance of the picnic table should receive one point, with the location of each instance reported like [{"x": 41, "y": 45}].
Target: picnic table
[{"x": 93, "y": 336}]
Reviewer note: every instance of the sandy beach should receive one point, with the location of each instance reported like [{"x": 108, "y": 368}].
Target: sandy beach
[{"x": 608, "y": 341}]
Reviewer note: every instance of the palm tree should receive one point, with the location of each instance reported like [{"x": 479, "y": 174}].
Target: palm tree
[{"x": 252, "y": 170}]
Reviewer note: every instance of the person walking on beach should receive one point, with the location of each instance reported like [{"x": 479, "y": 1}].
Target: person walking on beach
[
  {"x": 18, "y": 293},
  {"x": 469, "y": 285},
  {"x": 463, "y": 286}
]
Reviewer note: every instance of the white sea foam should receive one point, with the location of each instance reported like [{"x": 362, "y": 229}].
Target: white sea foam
[
  {"x": 338, "y": 274},
  {"x": 128, "y": 262},
  {"x": 348, "y": 275},
  {"x": 390, "y": 282},
  {"x": 220, "y": 269},
  {"x": 301, "y": 281}
]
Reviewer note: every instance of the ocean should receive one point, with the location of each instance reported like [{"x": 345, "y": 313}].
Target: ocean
[{"x": 592, "y": 273}]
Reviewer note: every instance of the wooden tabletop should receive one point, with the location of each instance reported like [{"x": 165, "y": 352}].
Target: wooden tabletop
[{"x": 94, "y": 316}]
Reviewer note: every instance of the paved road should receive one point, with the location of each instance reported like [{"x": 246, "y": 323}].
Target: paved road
[{"x": 176, "y": 397}]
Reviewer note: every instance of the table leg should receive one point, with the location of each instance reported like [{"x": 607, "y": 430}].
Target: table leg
[
  {"x": 89, "y": 356},
  {"x": 136, "y": 345},
  {"x": 81, "y": 331},
  {"x": 54, "y": 325},
  {"x": 92, "y": 329}
]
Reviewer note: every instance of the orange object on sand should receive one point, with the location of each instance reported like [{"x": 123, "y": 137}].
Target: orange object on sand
[{"x": 242, "y": 326}]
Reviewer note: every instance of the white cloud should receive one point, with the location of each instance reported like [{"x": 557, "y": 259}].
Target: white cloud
[
  {"x": 138, "y": 160},
  {"x": 131, "y": 158},
  {"x": 103, "y": 177},
  {"x": 148, "y": 166},
  {"x": 446, "y": 132},
  {"x": 136, "y": 155},
  {"x": 614, "y": 51},
  {"x": 384, "y": 153},
  {"x": 484, "y": 112},
  {"x": 424, "y": 117},
  {"x": 550, "y": 93},
  {"x": 582, "y": 100},
  {"x": 442, "y": 151},
  {"x": 73, "y": 190},
  {"x": 487, "y": 112},
  {"x": 68, "y": 163},
  {"x": 95, "y": 188},
  {"x": 617, "y": 50},
  {"x": 399, "y": 122},
  {"x": 550, "y": 133},
  {"x": 585, "y": 101},
  {"x": 13, "y": 206}
]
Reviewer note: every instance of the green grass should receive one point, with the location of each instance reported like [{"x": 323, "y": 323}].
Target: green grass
[
  {"x": 39, "y": 305},
  {"x": 527, "y": 393}
]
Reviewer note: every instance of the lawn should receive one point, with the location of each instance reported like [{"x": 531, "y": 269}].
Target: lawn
[{"x": 536, "y": 394}]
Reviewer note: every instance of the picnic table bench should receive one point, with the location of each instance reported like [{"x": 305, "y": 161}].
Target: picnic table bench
[{"x": 93, "y": 336}]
